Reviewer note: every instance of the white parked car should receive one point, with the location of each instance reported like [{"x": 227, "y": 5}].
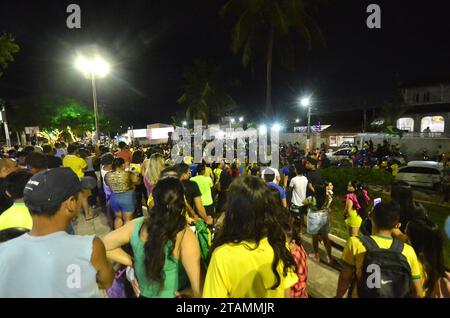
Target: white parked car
[
  {"x": 346, "y": 144},
  {"x": 425, "y": 174},
  {"x": 339, "y": 155}
]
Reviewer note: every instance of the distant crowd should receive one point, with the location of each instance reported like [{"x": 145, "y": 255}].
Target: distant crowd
[{"x": 214, "y": 230}]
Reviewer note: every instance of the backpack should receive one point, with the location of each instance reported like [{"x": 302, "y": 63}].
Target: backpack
[{"x": 385, "y": 272}]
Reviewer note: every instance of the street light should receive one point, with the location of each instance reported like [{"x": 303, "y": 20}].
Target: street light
[
  {"x": 92, "y": 69},
  {"x": 276, "y": 127},
  {"x": 306, "y": 102},
  {"x": 241, "y": 119},
  {"x": 232, "y": 120},
  {"x": 297, "y": 120},
  {"x": 184, "y": 123},
  {"x": 262, "y": 129}
]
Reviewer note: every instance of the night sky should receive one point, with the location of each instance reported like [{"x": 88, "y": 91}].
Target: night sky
[{"x": 151, "y": 42}]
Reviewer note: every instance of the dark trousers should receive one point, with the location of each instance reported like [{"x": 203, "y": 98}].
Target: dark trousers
[
  {"x": 141, "y": 193},
  {"x": 93, "y": 198}
]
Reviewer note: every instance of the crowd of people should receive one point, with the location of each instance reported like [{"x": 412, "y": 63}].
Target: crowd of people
[{"x": 214, "y": 230}]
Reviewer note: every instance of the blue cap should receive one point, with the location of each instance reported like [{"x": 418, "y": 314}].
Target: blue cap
[{"x": 50, "y": 188}]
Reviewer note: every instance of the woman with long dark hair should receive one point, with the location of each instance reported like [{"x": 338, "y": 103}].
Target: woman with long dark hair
[
  {"x": 291, "y": 228},
  {"x": 356, "y": 206},
  {"x": 427, "y": 241},
  {"x": 166, "y": 251},
  {"x": 250, "y": 257}
]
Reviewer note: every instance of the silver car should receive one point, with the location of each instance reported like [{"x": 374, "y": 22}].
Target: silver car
[{"x": 427, "y": 174}]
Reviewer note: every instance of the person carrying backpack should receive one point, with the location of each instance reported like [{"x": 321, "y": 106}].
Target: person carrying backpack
[{"x": 384, "y": 267}]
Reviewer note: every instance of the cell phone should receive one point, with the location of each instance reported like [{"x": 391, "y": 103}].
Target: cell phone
[{"x": 376, "y": 201}]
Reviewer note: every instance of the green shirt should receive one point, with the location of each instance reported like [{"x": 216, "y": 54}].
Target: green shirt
[
  {"x": 205, "y": 184},
  {"x": 175, "y": 277}
]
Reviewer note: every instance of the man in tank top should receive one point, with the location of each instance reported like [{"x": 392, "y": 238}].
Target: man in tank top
[{"x": 47, "y": 262}]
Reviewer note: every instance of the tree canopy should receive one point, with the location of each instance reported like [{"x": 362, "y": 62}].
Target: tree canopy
[
  {"x": 57, "y": 113},
  {"x": 205, "y": 92},
  {"x": 263, "y": 27},
  {"x": 8, "y": 47}
]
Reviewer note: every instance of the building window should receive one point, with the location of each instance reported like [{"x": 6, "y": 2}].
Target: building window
[
  {"x": 426, "y": 97},
  {"x": 416, "y": 98},
  {"x": 333, "y": 142},
  {"x": 432, "y": 124},
  {"x": 406, "y": 124}
]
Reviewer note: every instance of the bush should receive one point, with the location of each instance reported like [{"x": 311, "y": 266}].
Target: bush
[{"x": 341, "y": 176}]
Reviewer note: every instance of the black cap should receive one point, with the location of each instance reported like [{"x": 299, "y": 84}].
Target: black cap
[{"x": 52, "y": 187}]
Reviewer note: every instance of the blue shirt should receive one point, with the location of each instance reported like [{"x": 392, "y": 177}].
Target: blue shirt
[
  {"x": 193, "y": 168},
  {"x": 282, "y": 192},
  {"x": 286, "y": 170}
]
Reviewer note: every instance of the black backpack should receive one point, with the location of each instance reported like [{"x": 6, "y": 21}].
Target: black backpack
[{"x": 385, "y": 272}]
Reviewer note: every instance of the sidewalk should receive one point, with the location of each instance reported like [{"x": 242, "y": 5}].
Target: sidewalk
[{"x": 322, "y": 278}]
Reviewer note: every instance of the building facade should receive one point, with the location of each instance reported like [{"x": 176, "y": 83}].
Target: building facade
[{"x": 428, "y": 109}]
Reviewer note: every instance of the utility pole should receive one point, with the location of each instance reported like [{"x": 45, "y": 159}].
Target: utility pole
[
  {"x": 5, "y": 123},
  {"x": 365, "y": 120}
]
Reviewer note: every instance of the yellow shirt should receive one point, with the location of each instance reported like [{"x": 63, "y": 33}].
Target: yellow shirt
[
  {"x": 394, "y": 168},
  {"x": 217, "y": 173},
  {"x": 16, "y": 216},
  {"x": 237, "y": 271},
  {"x": 354, "y": 252},
  {"x": 209, "y": 173},
  {"x": 75, "y": 163}
]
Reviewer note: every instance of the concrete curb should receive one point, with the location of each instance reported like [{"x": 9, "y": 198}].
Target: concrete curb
[
  {"x": 442, "y": 205},
  {"x": 337, "y": 240}
]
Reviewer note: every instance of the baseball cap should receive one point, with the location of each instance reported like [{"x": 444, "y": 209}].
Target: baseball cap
[{"x": 52, "y": 187}]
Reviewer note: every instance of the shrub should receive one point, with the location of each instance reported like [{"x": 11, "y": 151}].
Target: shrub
[{"x": 341, "y": 176}]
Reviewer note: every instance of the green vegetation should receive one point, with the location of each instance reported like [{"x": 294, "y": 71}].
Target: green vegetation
[
  {"x": 341, "y": 176},
  {"x": 436, "y": 213},
  {"x": 8, "y": 47},
  {"x": 265, "y": 30},
  {"x": 205, "y": 93},
  {"x": 50, "y": 113}
]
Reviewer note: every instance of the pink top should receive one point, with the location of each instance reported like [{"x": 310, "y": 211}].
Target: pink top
[{"x": 354, "y": 198}]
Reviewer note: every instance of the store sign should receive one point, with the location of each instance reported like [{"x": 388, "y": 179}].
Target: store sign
[{"x": 31, "y": 130}]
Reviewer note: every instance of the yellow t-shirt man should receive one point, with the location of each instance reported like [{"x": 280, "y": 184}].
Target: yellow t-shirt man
[
  {"x": 75, "y": 163},
  {"x": 16, "y": 216},
  {"x": 354, "y": 252},
  {"x": 238, "y": 271}
]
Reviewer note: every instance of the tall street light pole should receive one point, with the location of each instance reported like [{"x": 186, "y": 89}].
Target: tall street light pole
[
  {"x": 306, "y": 102},
  {"x": 93, "y": 69},
  {"x": 94, "y": 95}
]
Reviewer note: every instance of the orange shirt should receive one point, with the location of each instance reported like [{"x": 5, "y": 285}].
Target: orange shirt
[{"x": 124, "y": 154}]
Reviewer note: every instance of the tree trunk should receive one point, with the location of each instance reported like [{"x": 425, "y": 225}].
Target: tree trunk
[{"x": 269, "y": 110}]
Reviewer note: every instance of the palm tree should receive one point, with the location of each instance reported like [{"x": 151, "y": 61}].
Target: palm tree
[
  {"x": 262, "y": 24},
  {"x": 8, "y": 47},
  {"x": 204, "y": 93}
]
